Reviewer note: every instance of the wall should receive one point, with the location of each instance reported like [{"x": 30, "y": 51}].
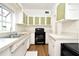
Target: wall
[
  {"x": 67, "y": 27},
  {"x": 37, "y": 12},
  {"x": 58, "y": 28},
  {"x": 20, "y": 28},
  {"x": 3, "y": 34},
  {"x": 70, "y": 26},
  {"x": 25, "y": 28}
]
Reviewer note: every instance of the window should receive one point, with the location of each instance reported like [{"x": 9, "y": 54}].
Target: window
[{"x": 5, "y": 18}]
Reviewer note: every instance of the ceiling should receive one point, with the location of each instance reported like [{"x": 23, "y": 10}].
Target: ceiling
[{"x": 38, "y": 5}]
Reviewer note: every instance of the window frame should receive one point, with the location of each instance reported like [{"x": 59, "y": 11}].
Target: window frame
[{"x": 4, "y": 27}]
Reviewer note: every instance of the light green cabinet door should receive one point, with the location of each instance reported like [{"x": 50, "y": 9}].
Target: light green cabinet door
[
  {"x": 60, "y": 11},
  {"x": 24, "y": 18},
  {"x": 30, "y": 20},
  {"x": 48, "y": 20},
  {"x": 36, "y": 20},
  {"x": 42, "y": 20}
]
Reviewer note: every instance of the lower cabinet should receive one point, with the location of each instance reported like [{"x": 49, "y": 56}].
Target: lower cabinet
[
  {"x": 28, "y": 43},
  {"x": 19, "y": 51},
  {"x": 21, "y": 48},
  {"x": 32, "y": 40},
  {"x": 51, "y": 47},
  {"x": 6, "y": 52}
]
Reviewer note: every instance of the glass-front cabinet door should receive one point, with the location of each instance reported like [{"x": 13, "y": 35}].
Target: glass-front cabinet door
[
  {"x": 42, "y": 20},
  {"x": 36, "y": 20},
  {"x": 30, "y": 20},
  {"x": 48, "y": 20}
]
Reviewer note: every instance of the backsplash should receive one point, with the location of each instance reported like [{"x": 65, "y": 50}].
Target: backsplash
[
  {"x": 32, "y": 28},
  {"x": 70, "y": 26},
  {"x": 24, "y": 28},
  {"x": 20, "y": 28},
  {"x": 4, "y": 34}
]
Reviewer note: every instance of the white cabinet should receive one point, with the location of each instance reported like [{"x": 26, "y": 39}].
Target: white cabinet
[
  {"x": 27, "y": 44},
  {"x": 46, "y": 38},
  {"x": 72, "y": 11},
  {"x": 6, "y": 52},
  {"x": 32, "y": 40},
  {"x": 19, "y": 17},
  {"x": 20, "y": 48},
  {"x": 19, "y": 51},
  {"x": 51, "y": 46}
]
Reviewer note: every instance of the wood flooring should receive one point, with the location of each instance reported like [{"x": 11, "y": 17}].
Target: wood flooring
[{"x": 41, "y": 49}]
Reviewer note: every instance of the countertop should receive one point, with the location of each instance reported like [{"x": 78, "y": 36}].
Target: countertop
[
  {"x": 7, "y": 42},
  {"x": 63, "y": 37}
]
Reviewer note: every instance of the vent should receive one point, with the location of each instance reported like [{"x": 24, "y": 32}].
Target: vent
[{"x": 46, "y": 12}]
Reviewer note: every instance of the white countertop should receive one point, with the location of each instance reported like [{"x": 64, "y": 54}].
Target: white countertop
[
  {"x": 7, "y": 42},
  {"x": 57, "y": 39},
  {"x": 4, "y": 43},
  {"x": 63, "y": 37}
]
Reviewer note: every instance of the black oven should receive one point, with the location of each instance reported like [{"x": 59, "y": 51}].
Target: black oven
[{"x": 39, "y": 36}]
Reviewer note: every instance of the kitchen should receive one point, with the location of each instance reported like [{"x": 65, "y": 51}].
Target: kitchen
[{"x": 56, "y": 23}]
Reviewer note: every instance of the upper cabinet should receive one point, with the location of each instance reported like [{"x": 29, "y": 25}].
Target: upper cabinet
[
  {"x": 36, "y": 20},
  {"x": 30, "y": 20},
  {"x": 60, "y": 11},
  {"x": 21, "y": 18},
  {"x": 69, "y": 11},
  {"x": 24, "y": 18},
  {"x": 42, "y": 20},
  {"x": 72, "y": 11},
  {"x": 48, "y": 20}
]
